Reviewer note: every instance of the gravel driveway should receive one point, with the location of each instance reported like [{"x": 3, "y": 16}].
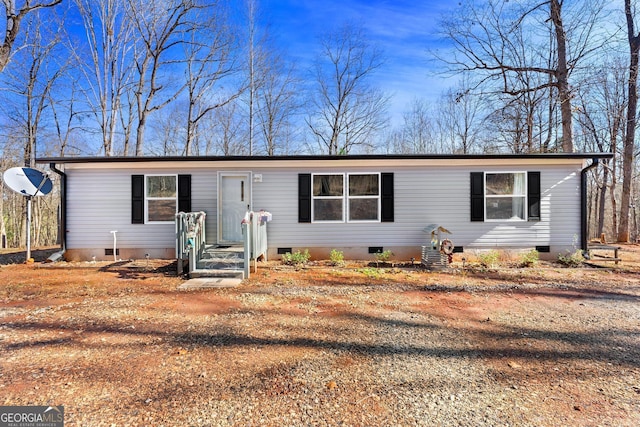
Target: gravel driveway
[{"x": 324, "y": 347}]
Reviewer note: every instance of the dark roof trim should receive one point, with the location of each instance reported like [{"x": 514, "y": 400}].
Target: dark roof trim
[{"x": 58, "y": 160}]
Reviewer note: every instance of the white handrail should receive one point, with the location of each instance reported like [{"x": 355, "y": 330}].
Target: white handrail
[{"x": 190, "y": 238}]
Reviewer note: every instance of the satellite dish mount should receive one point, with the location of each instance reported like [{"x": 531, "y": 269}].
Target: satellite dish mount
[{"x": 30, "y": 183}]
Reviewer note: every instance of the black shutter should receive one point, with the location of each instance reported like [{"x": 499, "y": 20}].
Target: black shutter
[
  {"x": 387, "y": 197},
  {"x": 304, "y": 197},
  {"x": 477, "y": 196},
  {"x": 137, "y": 199},
  {"x": 533, "y": 195},
  {"x": 184, "y": 193}
]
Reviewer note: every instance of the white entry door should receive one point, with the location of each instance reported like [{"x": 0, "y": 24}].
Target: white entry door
[{"x": 234, "y": 200}]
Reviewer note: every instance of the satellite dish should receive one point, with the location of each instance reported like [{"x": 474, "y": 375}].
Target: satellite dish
[{"x": 28, "y": 181}]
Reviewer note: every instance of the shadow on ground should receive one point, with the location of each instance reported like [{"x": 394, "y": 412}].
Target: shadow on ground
[{"x": 19, "y": 256}]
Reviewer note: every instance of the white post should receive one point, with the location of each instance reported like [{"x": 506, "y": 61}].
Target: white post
[
  {"x": 28, "y": 228},
  {"x": 114, "y": 245},
  {"x": 246, "y": 228}
]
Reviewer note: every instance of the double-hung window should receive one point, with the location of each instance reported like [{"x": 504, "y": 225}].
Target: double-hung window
[
  {"x": 505, "y": 196},
  {"x": 364, "y": 197},
  {"x": 328, "y": 197},
  {"x": 161, "y": 197},
  {"x": 355, "y": 197}
]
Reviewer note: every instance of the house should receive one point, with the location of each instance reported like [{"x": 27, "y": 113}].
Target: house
[{"x": 358, "y": 204}]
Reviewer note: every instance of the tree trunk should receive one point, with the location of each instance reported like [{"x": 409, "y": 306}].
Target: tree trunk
[
  {"x": 190, "y": 127},
  {"x": 612, "y": 196},
  {"x": 140, "y": 135},
  {"x": 562, "y": 76},
  {"x": 629, "y": 143}
]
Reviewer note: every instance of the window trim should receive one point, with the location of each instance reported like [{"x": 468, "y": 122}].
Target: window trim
[
  {"x": 346, "y": 198},
  {"x": 493, "y": 196},
  {"x": 378, "y": 198},
  {"x": 314, "y": 198},
  {"x": 147, "y": 198}
]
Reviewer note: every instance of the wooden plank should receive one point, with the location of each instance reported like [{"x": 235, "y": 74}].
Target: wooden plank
[{"x": 601, "y": 257}]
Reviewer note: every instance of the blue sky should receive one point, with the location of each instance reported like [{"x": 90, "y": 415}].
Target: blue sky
[{"x": 405, "y": 30}]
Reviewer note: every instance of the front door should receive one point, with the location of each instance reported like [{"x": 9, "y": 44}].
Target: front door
[{"x": 234, "y": 200}]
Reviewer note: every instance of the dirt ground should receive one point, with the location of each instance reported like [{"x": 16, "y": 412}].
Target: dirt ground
[{"x": 117, "y": 344}]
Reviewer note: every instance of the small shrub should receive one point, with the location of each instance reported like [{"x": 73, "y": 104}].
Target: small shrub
[
  {"x": 371, "y": 273},
  {"x": 571, "y": 259},
  {"x": 296, "y": 258},
  {"x": 529, "y": 259},
  {"x": 489, "y": 259},
  {"x": 384, "y": 256},
  {"x": 336, "y": 257}
]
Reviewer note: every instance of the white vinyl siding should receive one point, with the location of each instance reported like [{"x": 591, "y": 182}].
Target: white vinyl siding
[
  {"x": 99, "y": 201},
  {"x": 92, "y": 214},
  {"x": 425, "y": 196}
]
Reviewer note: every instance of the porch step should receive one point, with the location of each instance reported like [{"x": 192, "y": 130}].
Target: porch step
[
  {"x": 209, "y": 283},
  {"x": 215, "y": 272},
  {"x": 221, "y": 262}
]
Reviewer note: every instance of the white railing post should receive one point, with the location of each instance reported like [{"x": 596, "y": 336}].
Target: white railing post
[
  {"x": 178, "y": 242},
  {"x": 190, "y": 238},
  {"x": 193, "y": 262},
  {"x": 246, "y": 231}
]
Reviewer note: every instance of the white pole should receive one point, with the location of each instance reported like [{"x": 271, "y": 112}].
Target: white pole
[
  {"x": 28, "y": 228},
  {"x": 114, "y": 245},
  {"x": 44, "y": 180}
]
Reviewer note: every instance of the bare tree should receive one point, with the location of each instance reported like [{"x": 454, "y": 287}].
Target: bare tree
[
  {"x": 229, "y": 130},
  {"x": 393, "y": 142},
  {"x": 270, "y": 95},
  {"x": 632, "y": 111},
  {"x": 500, "y": 41},
  {"x": 168, "y": 131},
  {"x": 346, "y": 109},
  {"x": 14, "y": 15},
  {"x": 418, "y": 128},
  {"x": 162, "y": 26},
  {"x": 31, "y": 82},
  {"x": 601, "y": 116},
  {"x": 255, "y": 62},
  {"x": 107, "y": 64},
  {"x": 64, "y": 115},
  {"x": 277, "y": 102},
  {"x": 209, "y": 61},
  {"x": 460, "y": 120}
]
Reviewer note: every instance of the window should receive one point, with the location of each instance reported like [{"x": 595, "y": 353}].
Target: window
[
  {"x": 364, "y": 197},
  {"x": 161, "y": 197},
  {"x": 505, "y": 196},
  {"x": 369, "y": 197},
  {"x": 328, "y": 198},
  {"x": 139, "y": 197},
  {"x": 356, "y": 196}
]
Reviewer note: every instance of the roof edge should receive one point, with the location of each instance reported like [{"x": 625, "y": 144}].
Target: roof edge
[{"x": 121, "y": 159}]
